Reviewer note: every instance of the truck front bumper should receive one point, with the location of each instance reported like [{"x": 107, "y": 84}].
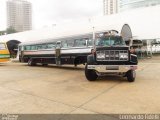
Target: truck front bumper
[{"x": 112, "y": 68}]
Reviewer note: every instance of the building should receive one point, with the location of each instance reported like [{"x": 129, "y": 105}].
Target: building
[
  {"x": 110, "y": 7},
  {"x": 132, "y": 4},
  {"x": 19, "y": 15}
]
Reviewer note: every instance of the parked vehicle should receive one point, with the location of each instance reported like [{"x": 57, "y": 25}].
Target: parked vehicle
[
  {"x": 111, "y": 56},
  {"x": 4, "y": 53},
  {"x": 68, "y": 50},
  {"x": 103, "y": 52}
]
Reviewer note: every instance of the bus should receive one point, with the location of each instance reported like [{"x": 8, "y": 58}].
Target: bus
[
  {"x": 4, "y": 52},
  {"x": 69, "y": 50},
  {"x": 102, "y": 52}
]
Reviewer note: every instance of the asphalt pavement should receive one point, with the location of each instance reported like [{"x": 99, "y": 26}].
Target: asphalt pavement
[{"x": 65, "y": 90}]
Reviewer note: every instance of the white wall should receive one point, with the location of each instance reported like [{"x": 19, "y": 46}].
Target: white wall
[{"x": 144, "y": 23}]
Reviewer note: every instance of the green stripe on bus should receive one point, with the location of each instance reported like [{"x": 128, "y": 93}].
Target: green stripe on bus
[{"x": 4, "y": 56}]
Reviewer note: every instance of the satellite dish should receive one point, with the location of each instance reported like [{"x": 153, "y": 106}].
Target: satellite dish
[{"x": 126, "y": 32}]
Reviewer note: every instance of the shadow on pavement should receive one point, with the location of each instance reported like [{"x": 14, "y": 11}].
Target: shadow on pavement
[
  {"x": 104, "y": 78},
  {"x": 3, "y": 64},
  {"x": 68, "y": 67},
  {"x": 111, "y": 78}
]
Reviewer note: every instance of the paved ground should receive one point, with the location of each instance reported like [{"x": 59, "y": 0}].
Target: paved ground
[{"x": 52, "y": 89}]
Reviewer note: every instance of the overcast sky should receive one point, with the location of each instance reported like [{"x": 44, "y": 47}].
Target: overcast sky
[{"x": 49, "y": 12}]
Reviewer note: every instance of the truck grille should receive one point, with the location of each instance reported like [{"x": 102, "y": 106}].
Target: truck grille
[{"x": 112, "y": 55}]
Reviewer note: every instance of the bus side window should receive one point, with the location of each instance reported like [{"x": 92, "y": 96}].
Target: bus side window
[
  {"x": 33, "y": 47},
  {"x": 80, "y": 43},
  {"x": 70, "y": 43},
  {"x": 27, "y": 47},
  {"x": 39, "y": 47},
  {"x": 89, "y": 42},
  {"x": 64, "y": 44},
  {"x": 50, "y": 45},
  {"x": 44, "y": 46}
]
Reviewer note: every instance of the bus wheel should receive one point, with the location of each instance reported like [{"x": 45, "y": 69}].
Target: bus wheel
[
  {"x": 131, "y": 75},
  {"x": 20, "y": 60},
  {"x": 91, "y": 75},
  {"x": 44, "y": 64},
  {"x": 31, "y": 63}
]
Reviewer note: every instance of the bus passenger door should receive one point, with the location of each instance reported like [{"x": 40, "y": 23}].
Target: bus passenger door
[{"x": 58, "y": 53}]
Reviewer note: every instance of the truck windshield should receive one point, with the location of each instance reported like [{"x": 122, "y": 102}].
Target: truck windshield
[{"x": 110, "y": 41}]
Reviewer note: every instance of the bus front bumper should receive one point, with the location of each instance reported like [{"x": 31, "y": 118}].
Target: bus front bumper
[{"x": 112, "y": 68}]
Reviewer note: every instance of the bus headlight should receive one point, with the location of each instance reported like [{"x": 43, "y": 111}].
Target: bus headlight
[{"x": 123, "y": 55}]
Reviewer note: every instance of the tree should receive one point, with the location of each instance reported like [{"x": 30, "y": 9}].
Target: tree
[{"x": 10, "y": 30}]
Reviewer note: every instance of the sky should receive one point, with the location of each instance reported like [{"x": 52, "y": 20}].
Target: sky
[{"x": 50, "y": 12}]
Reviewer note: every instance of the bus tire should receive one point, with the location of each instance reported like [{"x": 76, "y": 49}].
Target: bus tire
[
  {"x": 31, "y": 63},
  {"x": 131, "y": 75},
  {"x": 91, "y": 75},
  {"x": 20, "y": 60},
  {"x": 44, "y": 64}
]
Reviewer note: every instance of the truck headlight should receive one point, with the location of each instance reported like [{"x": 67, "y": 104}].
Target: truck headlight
[
  {"x": 123, "y": 55},
  {"x": 101, "y": 56}
]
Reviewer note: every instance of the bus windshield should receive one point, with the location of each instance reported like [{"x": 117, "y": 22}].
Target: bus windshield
[
  {"x": 110, "y": 41},
  {"x": 2, "y": 46}
]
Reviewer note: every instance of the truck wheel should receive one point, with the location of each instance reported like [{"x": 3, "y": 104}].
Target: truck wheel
[
  {"x": 31, "y": 63},
  {"x": 131, "y": 74},
  {"x": 90, "y": 74}
]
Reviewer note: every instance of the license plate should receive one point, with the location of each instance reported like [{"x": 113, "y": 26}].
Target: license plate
[{"x": 112, "y": 68}]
